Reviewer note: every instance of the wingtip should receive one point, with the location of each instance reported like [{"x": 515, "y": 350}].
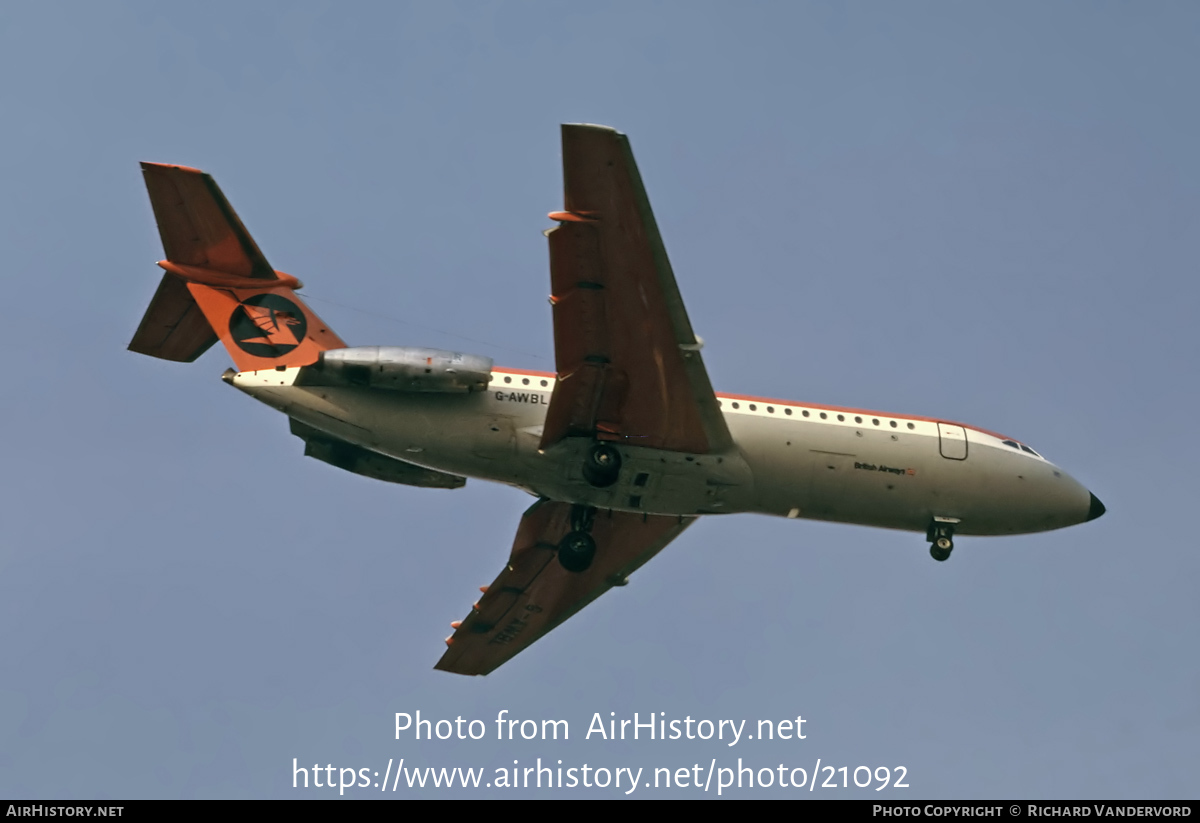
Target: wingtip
[
  {"x": 146, "y": 165},
  {"x": 590, "y": 127},
  {"x": 450, "y": 668}
]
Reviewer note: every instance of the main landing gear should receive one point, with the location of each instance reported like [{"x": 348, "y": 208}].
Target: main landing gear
[
  {"x": 602, "y": 465},
  {"x": 941, "y": 537},
  {"x": 578, "y": 548},
  {"x": 601, "y": 468}
]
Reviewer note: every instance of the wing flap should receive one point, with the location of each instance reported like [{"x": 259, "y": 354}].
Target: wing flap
[{"x": 534, "y": 593}]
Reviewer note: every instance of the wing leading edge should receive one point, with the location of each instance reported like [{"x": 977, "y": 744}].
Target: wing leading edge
[
  {"x": 628, "y": 362},
  {"x": 534, "y": 593}
]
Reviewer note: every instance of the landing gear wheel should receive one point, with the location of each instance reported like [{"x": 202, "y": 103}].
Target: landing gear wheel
[
  {"x": 941, "y": 539},
  {"x": 576, "y": 551},
  {"x": 602, "y": 465}
]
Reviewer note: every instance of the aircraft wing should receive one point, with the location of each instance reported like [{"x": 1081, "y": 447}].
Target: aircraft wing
[
  {"x": 628, "y": 362},
  {"x": 534, "y": 593}
]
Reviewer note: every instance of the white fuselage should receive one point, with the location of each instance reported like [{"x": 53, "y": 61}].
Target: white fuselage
[{"x": 789, "y": 459}]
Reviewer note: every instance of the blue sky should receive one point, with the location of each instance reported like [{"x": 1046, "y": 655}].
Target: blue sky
[{"x": 984, "y": 212}]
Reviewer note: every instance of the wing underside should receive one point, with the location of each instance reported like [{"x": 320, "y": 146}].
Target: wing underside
[
  {"x": 534, "y": 593},
  {"x": 628, "y": 362},
  {"x": 629, "y": 372}
]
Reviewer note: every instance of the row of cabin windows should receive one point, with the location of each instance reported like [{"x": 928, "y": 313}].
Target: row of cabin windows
[
  {"x": 787, "y": 411},
  {"x": 804, "y": 413},
  {"x": 525, "y": 381}
]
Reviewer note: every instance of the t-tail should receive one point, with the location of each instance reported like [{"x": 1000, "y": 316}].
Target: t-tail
[{"x": 218, "y": 284}]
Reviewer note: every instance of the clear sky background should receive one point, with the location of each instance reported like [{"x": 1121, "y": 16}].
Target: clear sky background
[{"x": 987, "y": 212}]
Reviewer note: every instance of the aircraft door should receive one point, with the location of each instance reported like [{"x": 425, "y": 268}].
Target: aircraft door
[{"x": 952, "y": 440}]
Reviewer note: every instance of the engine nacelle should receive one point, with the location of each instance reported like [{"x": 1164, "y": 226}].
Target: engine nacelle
[
  {"x": 356, "y": 459},
  {"x": 403, "y": 368}
]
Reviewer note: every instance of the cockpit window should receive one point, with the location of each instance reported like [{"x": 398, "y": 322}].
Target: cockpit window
[{"x": 1022, "y": 447}]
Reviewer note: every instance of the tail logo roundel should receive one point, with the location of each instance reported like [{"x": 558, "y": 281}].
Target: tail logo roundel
[{"x": 267, "y": 325}]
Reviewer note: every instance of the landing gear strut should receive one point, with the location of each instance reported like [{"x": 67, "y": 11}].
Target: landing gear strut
[
  {"x": 941, "y": 538},
  {"x": 602, "y": 465},
  {"x": 577, "y": 549}
]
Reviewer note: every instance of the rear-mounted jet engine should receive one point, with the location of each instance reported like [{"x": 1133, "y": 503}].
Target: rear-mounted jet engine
[{"x": 401, "y": 368}]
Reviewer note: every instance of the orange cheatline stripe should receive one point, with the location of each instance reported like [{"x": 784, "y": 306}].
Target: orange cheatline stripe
[
  {"x": 865, "y": 412},
  {"x": 528, "y": 372},
  {"x": 796, "y": 404}
]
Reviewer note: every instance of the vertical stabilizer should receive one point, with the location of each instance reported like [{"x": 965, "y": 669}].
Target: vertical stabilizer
[{"x": 218, "y": 284}]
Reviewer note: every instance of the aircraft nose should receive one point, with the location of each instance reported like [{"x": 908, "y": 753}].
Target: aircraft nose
[{"x": 1096, "y": 509}]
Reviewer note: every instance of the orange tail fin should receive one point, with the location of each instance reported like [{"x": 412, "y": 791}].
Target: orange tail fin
[{"x": 218, "y": 284}]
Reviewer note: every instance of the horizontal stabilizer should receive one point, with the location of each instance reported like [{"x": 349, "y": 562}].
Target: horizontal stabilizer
[
  {"x": 198, "y": 226},
  {"x": 357, "y": 460}
]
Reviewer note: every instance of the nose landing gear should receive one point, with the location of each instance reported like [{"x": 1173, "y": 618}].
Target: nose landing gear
[
  {"x": 577, "y": 550},
  {"x": 941, "y": 537}
]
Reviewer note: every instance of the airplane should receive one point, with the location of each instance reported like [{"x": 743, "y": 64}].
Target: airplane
[{"x": 623, "y": 446}]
